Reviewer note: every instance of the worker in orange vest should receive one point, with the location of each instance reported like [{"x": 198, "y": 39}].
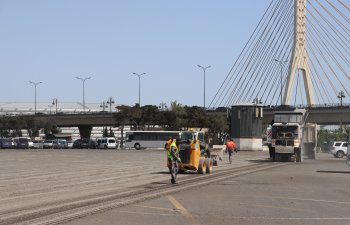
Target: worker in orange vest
[{"x": 230, "y": 147}]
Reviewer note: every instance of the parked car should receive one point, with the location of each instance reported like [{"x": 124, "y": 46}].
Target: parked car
[
  {"x": 69, "y": 144},
  {"x": 21, "y": 142},
  {"x": 48, "y": 144},
  {"x": 339, "y": 149},
  {"x": 84, "y": 143},
  {"x": 107, "y": 142},
  {"x": 30, "y": 143},
  {"x": 60, "y": 144},
  {"x": 38, "y": 144},
  {"x": 6, "y": 143}
]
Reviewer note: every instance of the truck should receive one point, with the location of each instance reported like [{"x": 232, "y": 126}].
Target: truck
[{"x": 286, "y": 135}]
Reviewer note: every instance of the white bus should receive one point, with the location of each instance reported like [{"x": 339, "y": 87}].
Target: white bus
[{"x": 157, "y": 139}]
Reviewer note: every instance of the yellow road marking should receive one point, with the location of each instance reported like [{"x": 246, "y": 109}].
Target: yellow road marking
[
  {"x": 183, "y": 211},
  {"x": 153, "y": 207}
]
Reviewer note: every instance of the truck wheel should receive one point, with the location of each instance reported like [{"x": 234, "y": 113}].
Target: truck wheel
[
  {"x": 202, "y": 167},
  {"x": 298, "y": 155},
  {"x": 340, "y": 154},
  {"x": 137, "y": 146},
  {"x": 209, "y": 163}
]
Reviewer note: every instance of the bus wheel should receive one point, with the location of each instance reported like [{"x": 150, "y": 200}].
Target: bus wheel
[{"x": 137, "y": 146}]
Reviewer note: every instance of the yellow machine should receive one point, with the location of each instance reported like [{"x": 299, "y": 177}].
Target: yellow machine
[{"x": 193, "y": 157}]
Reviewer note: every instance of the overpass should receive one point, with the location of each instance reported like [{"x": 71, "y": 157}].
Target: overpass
[{"x": 326, "y": 115}]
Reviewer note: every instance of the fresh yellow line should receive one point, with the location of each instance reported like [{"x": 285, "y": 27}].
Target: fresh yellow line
[
  {"x": 183, "y": 211},
  {"x": 152, "y": 207}
]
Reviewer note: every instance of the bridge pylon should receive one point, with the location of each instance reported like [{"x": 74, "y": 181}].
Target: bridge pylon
[{"x": 300, "y": 56}]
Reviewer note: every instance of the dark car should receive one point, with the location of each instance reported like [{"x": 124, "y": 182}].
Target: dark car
[
  {"x": 21, "y": 142},
  {"x": 6, "y": 143},
  {"x": 84, "y": 143}
]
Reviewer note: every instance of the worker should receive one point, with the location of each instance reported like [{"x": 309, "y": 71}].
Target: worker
[
  {"x": 230, "y": 147},
  {"x": 173, "y": 157}
]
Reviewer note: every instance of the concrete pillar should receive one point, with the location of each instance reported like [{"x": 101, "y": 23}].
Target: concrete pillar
[{"x": 85, "y": 131}]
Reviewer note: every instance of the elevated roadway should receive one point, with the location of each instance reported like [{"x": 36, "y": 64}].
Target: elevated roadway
[{"x": 322, "y": 116}]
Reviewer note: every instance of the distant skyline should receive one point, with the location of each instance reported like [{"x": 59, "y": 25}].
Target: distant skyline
[{"x": 54, "y": 42}]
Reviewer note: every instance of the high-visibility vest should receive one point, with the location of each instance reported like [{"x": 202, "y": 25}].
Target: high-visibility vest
[
  {"x": 231, "y": 145},
  {"x": 172, "y": 146}
]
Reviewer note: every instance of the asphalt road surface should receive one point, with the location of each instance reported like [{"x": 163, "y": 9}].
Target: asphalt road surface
[
  {"x": 313, "y": 192},
  {"x": 35, "y": 183},
  {"x": 44, "y": 186}
]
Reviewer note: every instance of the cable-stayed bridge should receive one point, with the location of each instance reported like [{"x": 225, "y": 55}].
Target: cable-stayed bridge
[{"x": 299, "y": 53}]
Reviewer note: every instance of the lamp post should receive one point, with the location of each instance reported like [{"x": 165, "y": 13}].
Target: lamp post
[
  {"x": 162, "y": 106},
  {"x": 139, "y": 76},
  {"x": 341, "y": 95},
  {"x": 54, "y": 102},
  {"x": 204, "y": 69},
  {"x": 83, "y": 80},
  {"x": 50, "y": 106},
  {"x": 110, "y": 102},
  {"x": 281, "y": 62},
  {"x": 35, "y": 85},
  {"x": 103, "y": 106}
]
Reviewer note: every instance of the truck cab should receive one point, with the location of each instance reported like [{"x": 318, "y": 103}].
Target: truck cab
[{"x": 286, "y": 135}]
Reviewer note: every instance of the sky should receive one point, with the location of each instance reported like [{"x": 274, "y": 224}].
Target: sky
[{"x": 54, "y": 42}]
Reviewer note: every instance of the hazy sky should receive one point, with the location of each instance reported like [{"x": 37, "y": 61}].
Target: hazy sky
[{"x": 55, "y": 41}]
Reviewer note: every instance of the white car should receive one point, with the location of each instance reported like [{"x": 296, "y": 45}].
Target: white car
[
  {"x": 339, "y": 149},
  {"x": 108, "y": 142}
]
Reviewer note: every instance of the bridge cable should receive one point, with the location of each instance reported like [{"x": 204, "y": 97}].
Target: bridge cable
[
  {"x": 328, "y": 51},
  {"x": 340, "y": 24},
  {"x": 330, "y": 33},
  {"x": 260, "y": 56},
  {"x": 266, "y": 61},
  {"x": 329, "y": 41},
  {"x": 239, "y": 57},
  {"x": 345, "y": 6},
  {"x": 254, "y": 53},
  {"x": 325, "y": 60},
  {"x": 338, "y": 11},
  {"x": 283, "y": 40},
  {"x": 263, "y": 27},
  {"x": 334, "y": 29}
]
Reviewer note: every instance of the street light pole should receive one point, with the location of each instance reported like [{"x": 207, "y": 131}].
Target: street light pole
[
  {"x": 281, "y": 62},
  {"x": 110, "y": 102},
  {"x": 83, "y": 80},
  {"x": 139, "y": 76},
  {"x": 341, "y": 95},
  {"x": 162, "y": 106},
  {"x": 204, "y": 69},
  {"x": 35, "y": 85},
  {"x": 54, "y": 102}
]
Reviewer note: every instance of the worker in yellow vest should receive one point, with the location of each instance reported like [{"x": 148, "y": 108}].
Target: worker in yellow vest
[{"x": 174, "y": 159}]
